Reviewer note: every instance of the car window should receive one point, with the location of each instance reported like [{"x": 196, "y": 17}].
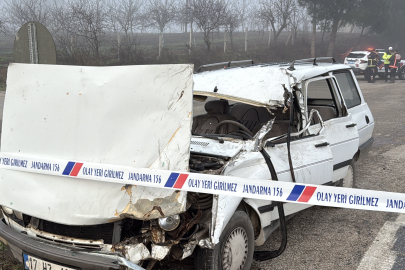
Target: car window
[
  {"x": 348, "y": 88},
  {"x": 356, "y": 55},
  {"x": 319, "y": 90},
  {"x": 320, "y": 97}
]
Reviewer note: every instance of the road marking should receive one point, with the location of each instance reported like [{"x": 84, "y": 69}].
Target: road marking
[{"x": 380, "y": 254}]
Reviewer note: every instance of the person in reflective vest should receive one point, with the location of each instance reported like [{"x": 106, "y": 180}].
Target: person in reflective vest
[
  {"x": 387, "y": 56},
  {"x": 394, "y": 65},
  {"x": 371, "y": 70}
]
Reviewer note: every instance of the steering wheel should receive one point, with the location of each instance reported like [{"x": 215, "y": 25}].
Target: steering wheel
[{"x": 220, "y": 124}]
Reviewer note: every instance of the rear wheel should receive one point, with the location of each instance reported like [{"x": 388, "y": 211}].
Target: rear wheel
[{"x": 234, "y": 250}]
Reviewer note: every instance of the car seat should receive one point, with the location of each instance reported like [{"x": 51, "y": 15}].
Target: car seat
[{"x": 217, "y": 111}]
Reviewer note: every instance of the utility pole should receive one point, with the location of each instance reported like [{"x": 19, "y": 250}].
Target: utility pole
[
  {"x": 268, "y": 44},
  {"x": 225, "y": 41},
  {"x": 160, "y": 44},
  {"x": 185, "y": 25},
  {"x": 246, "y": 35},
  {"x": 119, "y": 44},
  {"x": 191, "y": 38}
]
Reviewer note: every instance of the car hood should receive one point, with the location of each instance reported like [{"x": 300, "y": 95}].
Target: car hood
[{"x": 138, "y": 116}]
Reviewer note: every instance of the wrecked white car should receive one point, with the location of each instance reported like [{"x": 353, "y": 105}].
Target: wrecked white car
[{"x": 306, "y": 122}]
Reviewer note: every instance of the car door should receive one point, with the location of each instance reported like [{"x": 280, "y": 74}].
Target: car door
[
  {"x": 322, "y": 94},
  {"x": 355, "y": 104},
  {"x": 312, "y": 162}
]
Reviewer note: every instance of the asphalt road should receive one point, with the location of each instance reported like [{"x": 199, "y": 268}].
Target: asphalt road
[{"x": 334, "y": 238}]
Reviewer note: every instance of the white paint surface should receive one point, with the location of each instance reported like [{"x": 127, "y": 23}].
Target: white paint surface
[
  {"x": 137, "y": 116},
  {"x": 262, "y": 84}
]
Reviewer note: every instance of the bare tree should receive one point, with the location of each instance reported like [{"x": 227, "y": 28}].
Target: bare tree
[
  {"x": 90, "y": 22},
  {"x": 242, "y": 8},
  {"x": 237, "y": 12},
  {"x": 161, "y": 13},
  {"x": 184, "y": 17},
  {"x": 127, "y": 13},
  {"x": 209, "y": 15},
  {"x": 2, "y": 26},
  {"x": 19, "y": 12},
  {"x": 125, "y": 16},
  {"x": 62, "y": 27},
  {"x": 296, "y": 18},
  {"x": 277, "y": 13},
  {"x": 232, "y": 21}
]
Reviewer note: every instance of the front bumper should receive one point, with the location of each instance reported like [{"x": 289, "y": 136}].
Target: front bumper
[{"x": 47, "y": 250}]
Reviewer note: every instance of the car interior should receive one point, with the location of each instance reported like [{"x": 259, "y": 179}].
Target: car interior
[
  {"x": 251, "y": 117},
  {"x": 242, "y": 120}
]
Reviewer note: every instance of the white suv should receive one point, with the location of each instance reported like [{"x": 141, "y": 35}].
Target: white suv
[{"x": 358, "y": 61}]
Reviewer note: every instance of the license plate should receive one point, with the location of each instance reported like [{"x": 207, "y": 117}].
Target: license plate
[
  {"x": 351, "y": 62},
  {"x": 33, "y": 263}
]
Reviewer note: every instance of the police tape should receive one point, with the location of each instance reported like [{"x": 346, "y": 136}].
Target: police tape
[{"x": 212, "y": 184}]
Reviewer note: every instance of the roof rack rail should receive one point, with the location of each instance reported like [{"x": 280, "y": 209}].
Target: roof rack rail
[
  {"x": 228, "y": 64},
  {"x": 308, "y": 61},
  {"x": 314, "y": 60}
]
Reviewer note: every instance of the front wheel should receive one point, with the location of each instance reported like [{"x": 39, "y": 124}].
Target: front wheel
[
  {"x": 234, "y": 250},
  {"x": 349, "y": 180}
]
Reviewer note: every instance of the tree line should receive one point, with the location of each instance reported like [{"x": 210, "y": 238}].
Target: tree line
[
  {"x": 86, "y": 26},
  {"x": 384, "y": 17}
]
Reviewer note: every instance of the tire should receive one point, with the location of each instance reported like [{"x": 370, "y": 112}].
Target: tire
[
  {"x": 238, "y": 232},
  {"x": 349, "y": 180}
]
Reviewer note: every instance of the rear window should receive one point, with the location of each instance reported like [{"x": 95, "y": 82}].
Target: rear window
[{"x": 356, "y": 55}]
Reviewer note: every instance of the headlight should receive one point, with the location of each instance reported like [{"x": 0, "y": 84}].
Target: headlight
[
  {"x": 19, "y": 215},
  {"x": 7, "y": 210},
  {"x": 169, "y": 223}
]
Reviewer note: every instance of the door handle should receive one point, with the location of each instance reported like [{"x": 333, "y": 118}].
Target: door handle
[
  {"x": 367, "y": 120},
  {"x": 321, "y": 144},
  {"x": 351, "y": 125}
]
